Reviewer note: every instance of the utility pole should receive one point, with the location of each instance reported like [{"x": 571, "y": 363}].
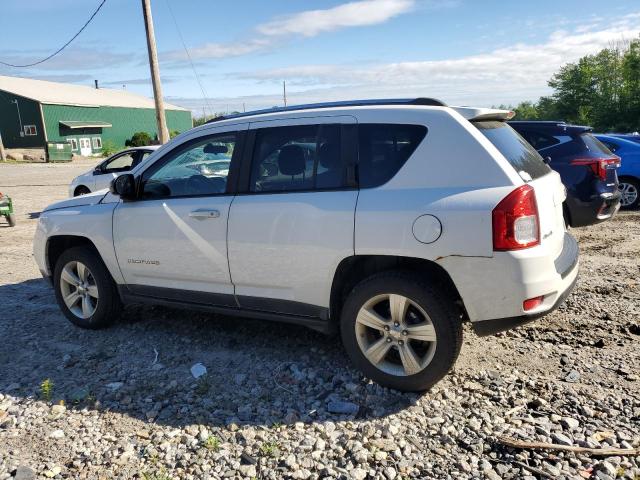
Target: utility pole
[
  {"x": 3, "y": 157},
  {"x": 284, "y": 92},
  {"x": 163, "y": 133}
]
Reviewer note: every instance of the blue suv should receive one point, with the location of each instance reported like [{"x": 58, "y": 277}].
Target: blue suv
[
  {"x": 629, "y": 171},
  {"x": 586, "y": 166}
]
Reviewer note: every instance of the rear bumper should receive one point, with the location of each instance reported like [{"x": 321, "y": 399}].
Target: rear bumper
[
  {"x": 493, "y": 289},
  {"x": 599, "y": 208}
]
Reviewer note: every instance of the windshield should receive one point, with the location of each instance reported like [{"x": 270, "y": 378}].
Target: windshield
[{"x": 518, "y": 152}]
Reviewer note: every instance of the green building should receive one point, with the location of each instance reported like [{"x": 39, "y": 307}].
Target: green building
[{"x": 34, "y": 112}]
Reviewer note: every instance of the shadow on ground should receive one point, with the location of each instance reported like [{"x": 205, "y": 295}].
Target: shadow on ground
[{"x": 259, "y": 373}]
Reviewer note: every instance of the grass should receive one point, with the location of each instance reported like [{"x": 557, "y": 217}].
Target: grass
[
  {"x": 203, "y": 386},
  {"x": 46, "y": 389},
  {"x": 269, "y": 449},
  {"x": 160, "y": 475},
  {"x": 212, "y": 443}
]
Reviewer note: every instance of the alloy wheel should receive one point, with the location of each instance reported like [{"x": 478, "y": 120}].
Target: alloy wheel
[
  {"x": 629, "y": 194},
  {"x": 79, "y": 289},
  {"x": 395, "y": 334}
]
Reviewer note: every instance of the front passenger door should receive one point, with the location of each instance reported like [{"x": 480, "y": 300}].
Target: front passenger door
[{"x": 172, "y": 242}]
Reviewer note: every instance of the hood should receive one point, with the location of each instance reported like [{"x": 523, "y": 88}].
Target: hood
[{"x": 89, "y": 199}]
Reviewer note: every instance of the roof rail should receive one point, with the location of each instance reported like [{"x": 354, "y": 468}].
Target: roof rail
[{"x": 423, "y": 101}]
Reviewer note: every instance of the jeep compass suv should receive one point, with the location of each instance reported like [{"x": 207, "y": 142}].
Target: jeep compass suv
[{"x": 390, "y": 221}]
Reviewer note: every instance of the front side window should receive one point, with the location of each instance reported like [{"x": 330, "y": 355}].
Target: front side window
[
  {"x": 120, "y": 163},
  {"x": 383, "y": 149},
  {"x": 30, "y": 130},
  {"x": 199, "y": 168},
  {"x": 302, "y": 157}
]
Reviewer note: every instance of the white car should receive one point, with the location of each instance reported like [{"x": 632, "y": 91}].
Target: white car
[
  {"x": 391, "y": 221},
  {"x": 100, "y": 177}
]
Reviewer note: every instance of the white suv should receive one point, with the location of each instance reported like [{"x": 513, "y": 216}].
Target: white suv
[{"x": 391, "y": 221}]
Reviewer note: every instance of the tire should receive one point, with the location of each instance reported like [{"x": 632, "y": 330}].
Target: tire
[
  {"x": 102, "y": 310},
  {"x": 11, "y": 218},
  {"x": 427, "y": 305},
  {"x": 630, "y": 188},
  {"x": 81, "y": 190}
]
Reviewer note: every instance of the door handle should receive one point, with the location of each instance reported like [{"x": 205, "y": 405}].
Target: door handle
[{"x": 203, "y": 213}]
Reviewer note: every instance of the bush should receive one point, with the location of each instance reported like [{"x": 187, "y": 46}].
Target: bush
[
  {"x": 109, "y": 148},
  {"x": 173, "y": 133},
  {"x": 139, "y": 139}
]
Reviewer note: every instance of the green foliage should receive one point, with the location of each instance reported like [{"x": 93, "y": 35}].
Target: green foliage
[
  {"x": 269, "y": 449},
  {"x": 139, "y": 139},
  {"x": 600, "y": 90},
  {"x": 173, "y": 133},
  {"x": 212, "y": 443},
  {"x": 109, "y": 148},
  {"x": 160, "y": 475},
  {"x": 46, "y": 389}
]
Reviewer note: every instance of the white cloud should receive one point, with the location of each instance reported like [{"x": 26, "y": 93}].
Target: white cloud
[
  {"x": 518, "y": 68},
  {"x": 352, "y": 14},
  {"x": 306, "y": 24}
]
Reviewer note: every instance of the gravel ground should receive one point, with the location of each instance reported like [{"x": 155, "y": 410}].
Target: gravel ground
[{"x": 123, "y": 403}]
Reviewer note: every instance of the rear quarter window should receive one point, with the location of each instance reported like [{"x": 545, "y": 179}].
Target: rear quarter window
[{"x": 518, "y": 152}]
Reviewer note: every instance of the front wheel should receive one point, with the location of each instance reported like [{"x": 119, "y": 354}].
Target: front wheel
[
  {"x": 11, "y": 218},
  {"x": 401, "y": 332},
  {"x": 630, "y": 193},
  {"x": 84, "y": 289}
]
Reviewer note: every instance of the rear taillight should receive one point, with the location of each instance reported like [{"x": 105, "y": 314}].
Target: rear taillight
[
  {"x": 516, "y": 221},
  {"x": 598, "y": 165}
]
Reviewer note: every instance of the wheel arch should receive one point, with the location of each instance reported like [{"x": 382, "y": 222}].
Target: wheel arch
[
  {"x": 58, "y": 244},
  {"x": 80, "y": 187},
  {"x": 356, "y": 268}
]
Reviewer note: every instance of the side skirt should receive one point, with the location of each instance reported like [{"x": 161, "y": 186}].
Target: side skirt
[{"x": 318, "y": 323}]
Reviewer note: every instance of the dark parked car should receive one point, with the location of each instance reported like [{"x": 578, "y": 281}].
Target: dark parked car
[{"x": 586, "y": 166}]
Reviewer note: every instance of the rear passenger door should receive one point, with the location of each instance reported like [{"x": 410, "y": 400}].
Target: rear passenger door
[{"x": 292, "y": 221}]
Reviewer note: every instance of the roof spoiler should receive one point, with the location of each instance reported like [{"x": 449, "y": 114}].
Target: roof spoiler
[{"x": 485, "y": 114}]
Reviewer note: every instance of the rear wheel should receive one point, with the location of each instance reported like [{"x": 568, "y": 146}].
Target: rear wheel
[
  {"x": 84, "y": 289},
  {"x": 81, "y": 190},
  {"x": 11, "y": 218},
  {"x": 401, "y": 332},
  {"x": 630, "y": 193}
]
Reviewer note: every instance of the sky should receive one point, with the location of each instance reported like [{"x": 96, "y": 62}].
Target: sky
[{"x": 219, "y": 56}]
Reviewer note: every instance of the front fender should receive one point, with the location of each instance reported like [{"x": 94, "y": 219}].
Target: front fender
[{"x": 93, "y": 222}]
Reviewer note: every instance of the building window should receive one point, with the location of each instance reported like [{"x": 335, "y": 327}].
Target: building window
[
  {"x": 74, "y": 143},
  {"x": 96, "y": 142},
  {"x": 30, "y": 130}
]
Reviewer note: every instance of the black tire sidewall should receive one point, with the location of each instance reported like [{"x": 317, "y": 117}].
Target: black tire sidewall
[
  {"x": 108, "y": 300},
  {"x": 11, "y": 218},
  {"x": 438, "y": 306}
]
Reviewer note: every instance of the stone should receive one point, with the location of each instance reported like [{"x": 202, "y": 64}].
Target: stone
[
  {"x": 113, "y": 386},
  {"x": 358, "y": 474},
  {"x": 340, "y": 407},
  {"x": 24, "y": 473},
  {"x": 57, "y": 434},
  {"x": 198, "y": 370},
  {"x": 570, "y": 423},
  {"x": 58, "y": 409},
  {"x": 573, "y": 376},
  {"x": 561, "y": 438}
]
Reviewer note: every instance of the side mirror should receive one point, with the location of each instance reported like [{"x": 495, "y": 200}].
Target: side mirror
[
  {"x": 125, "y": 186},
  {"x": 547, "y": 160}
]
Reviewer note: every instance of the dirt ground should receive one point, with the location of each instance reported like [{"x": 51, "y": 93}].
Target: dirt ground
[{"x": 129, "y": 389}]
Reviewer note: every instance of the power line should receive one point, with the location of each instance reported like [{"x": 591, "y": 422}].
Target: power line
[
  {"x": 186, "y": 50},
  {"x": 61, "y": 48}
]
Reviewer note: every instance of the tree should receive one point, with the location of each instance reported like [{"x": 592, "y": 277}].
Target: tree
[{"x": 139, "y": 139}]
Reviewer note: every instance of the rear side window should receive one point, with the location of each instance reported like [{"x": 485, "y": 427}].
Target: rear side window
[
  {"x": 520, "y": 154},
  {"x": 540, "y": 140},
  {"x": 594, "y": 145},
  {"x": 304, "y": 157},
  {"x": 383, "y": 149}
]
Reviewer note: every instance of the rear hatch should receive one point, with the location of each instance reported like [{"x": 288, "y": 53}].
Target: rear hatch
[
  {"x": 599, "y": 159},
  {"x": 527, "y": 162}
]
